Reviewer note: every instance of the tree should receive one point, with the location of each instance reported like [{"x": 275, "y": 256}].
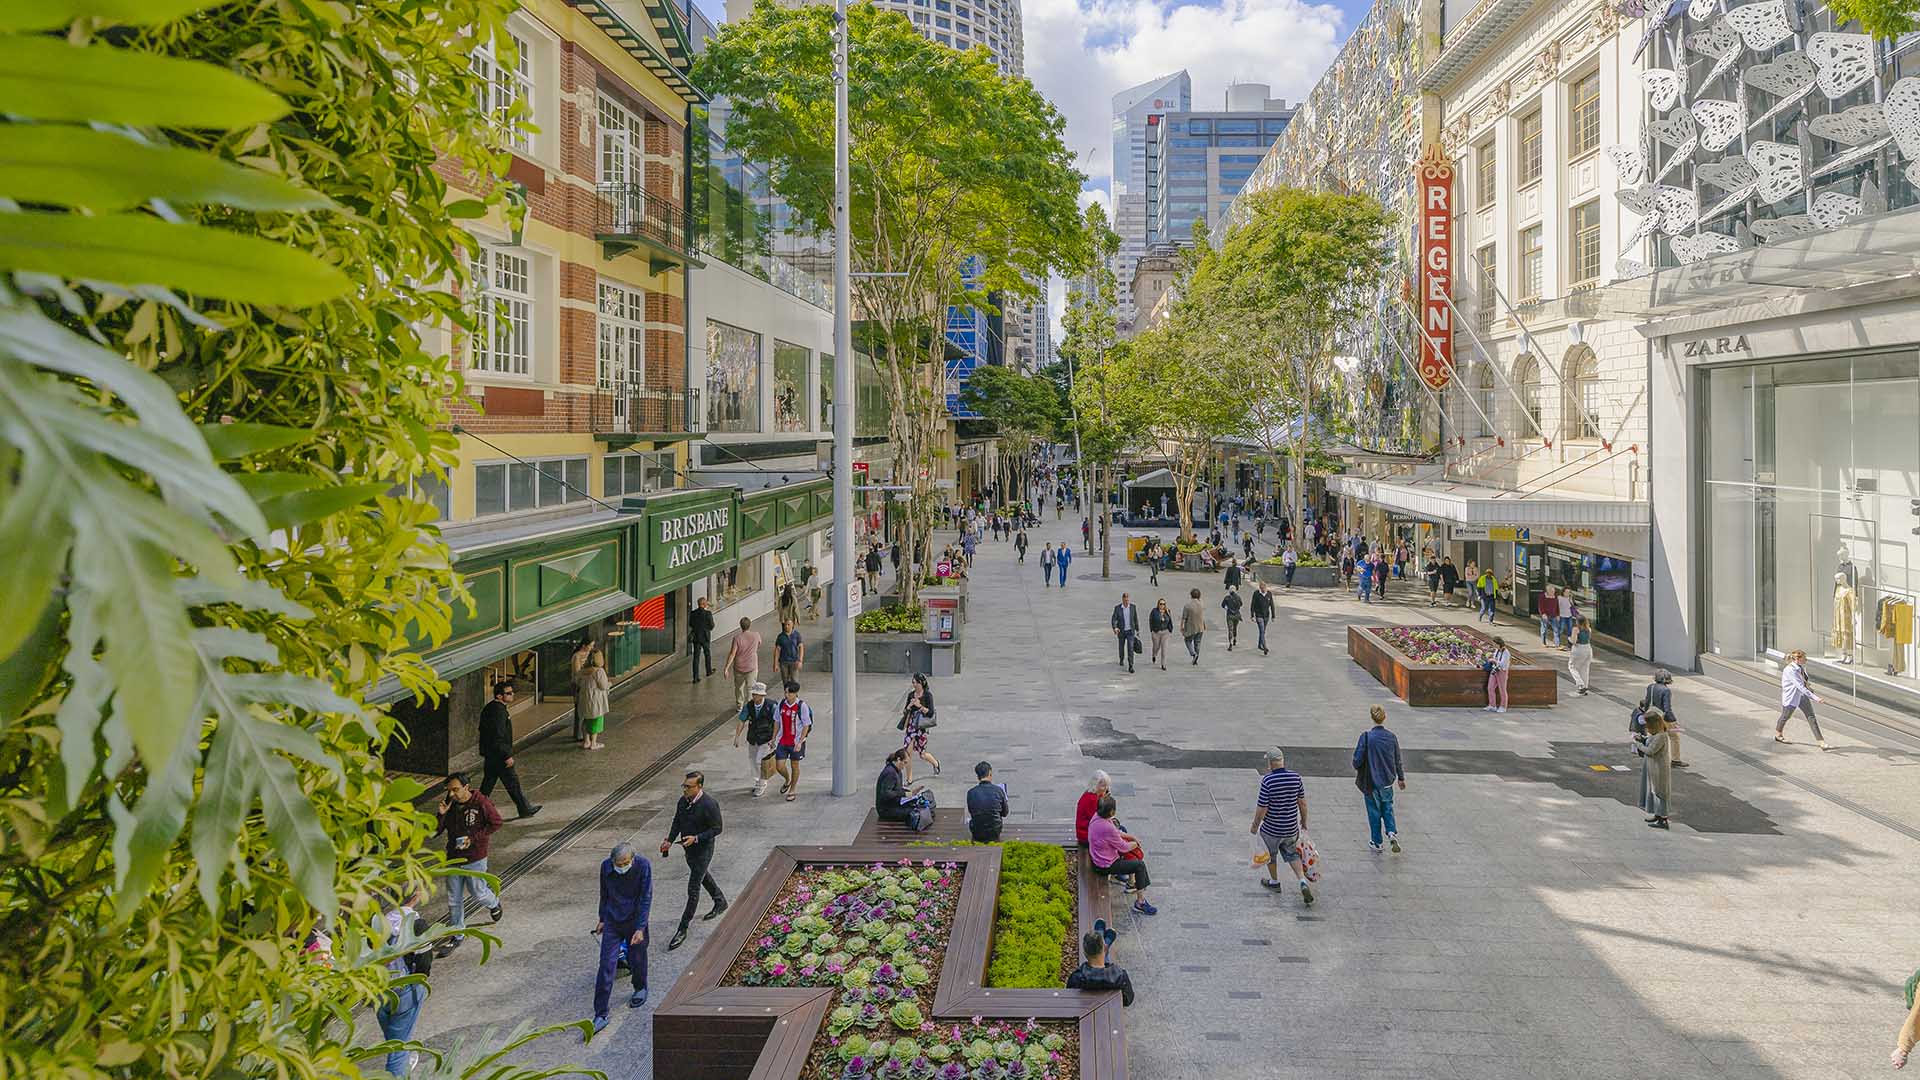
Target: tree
[
  {"x": 213, "y": 402},
  {"x": 1300, "y": 272},
  {"x": 1190, "y": 400},
  {"x": 1885, "y": 19},
  {"x": 1104, "y": 420},
  {"x": 953, "y": 167},
  {"x": 1024, "y": 408}
]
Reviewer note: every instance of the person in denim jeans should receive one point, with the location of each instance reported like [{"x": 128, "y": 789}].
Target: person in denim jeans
[
  {"x": 1549, "y": 608},
  {"x": 399, "y": 1011},
  {"x": 469, "y": 820},
  {"x": 1376, "y": 765}
]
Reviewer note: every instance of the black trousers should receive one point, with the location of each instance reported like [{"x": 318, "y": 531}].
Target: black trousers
[
  {"x": 1137, "y": 868},
  {"x": 1126, "y": 647},
  {"x": 498, "y": 771},
  {"x": 702, "y": 656},
  {"x": 699, "y": 858}
]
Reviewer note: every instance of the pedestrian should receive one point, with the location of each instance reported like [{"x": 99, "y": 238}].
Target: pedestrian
[
  {"x": 1796, "y": 692},
  {"x": 1366, "y": 581},
  {"x": 1346, "y": 567},
  {"x": 1910, "y": 1031},
  {"x": 1449, "y": 578},
  {"x": 917, "y": 717},
  {"x": 986, "y": 805},
  {"x": 1116, "y": 853},
  {"x": 794, "y": 718},
  {"x": 873, "y": 570},
  {"x": 1232, "y": 603},
  {"x": 1089, "y": 804},
  {"x": 496, "y": 749},
  {"x": 596, "y": 687},
  {"x": 1020, "y": 545},
  {"x": 1125, "y": 621},
  {"x": 399, "y": 1007},
  {"x": 1380, "y": 572},
  {"x": 1233, "y": 575},
  {"x": 700, "y": 638},
  {"x": 1193, "y": 623},
  {"x": 788, "y": 604},
  {"x": 1497, "y": 668},
  {"x": 789, "y": 652},
  {"x": 893, "y": 556},
  {"x": 1565, "y": 626},
  {"x": 626, "y": 899},
  {"x": 1095, "y": 973},
  {"x": 1247, "y": 546},
  {"x": 1279, "y": 817},
  {"x": 757, "y": 725},
  {"x": 811, "y": 576},
  {"x": 1063, "y": 555},
  {"x": 1485, "y": 588},
  {"x": 469, "y": 819},
  {"x": 695, "y": 827},
  {"x": 1549, "y": 606},
  {"x": 1288, "y": 560},
  {"x": 1154, "y": 557},
  {"x": 1376, "y": 767},
  {"x": 1086, "y": 533},
  {"x": 1580, "y": 660},
  {"x": 1656, "y": 768},
  {"x": 1047, "y": 564},
  {"x": 743, "y": 660},
  {"x": 1433, "y": 582},
  {"x": 577, "y": 661},
  {"x": 1160, "y": 623},
  {"x": 1262, "y": 612}
]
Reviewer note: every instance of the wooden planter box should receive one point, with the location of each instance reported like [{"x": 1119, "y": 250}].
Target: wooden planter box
[
  {"x": 1529, "y": 685},
  {"x": 706, "y": 1031}
]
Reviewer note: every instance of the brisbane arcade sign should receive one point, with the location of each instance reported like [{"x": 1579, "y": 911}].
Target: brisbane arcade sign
[{"x": 691, "y": 537}]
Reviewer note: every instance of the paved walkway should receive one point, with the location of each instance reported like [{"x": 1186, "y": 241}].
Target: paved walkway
[{"x": 1534, "y": 927}]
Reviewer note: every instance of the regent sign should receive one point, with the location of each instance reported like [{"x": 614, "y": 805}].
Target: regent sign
[
  {"x": 691, "y": 537},
  {"x": 1436, "y": 267}
]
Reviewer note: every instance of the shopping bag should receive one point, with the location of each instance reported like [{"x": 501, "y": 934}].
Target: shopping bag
[
  {"x": 1260, "y": 854},
  {"x": 1309, "y": 858}
]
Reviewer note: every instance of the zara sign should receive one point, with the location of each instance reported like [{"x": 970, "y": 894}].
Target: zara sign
[{"x": 1436, "y": 267}]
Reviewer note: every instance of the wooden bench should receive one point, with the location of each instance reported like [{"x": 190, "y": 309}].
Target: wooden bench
[{"x": 950, "y": 827}]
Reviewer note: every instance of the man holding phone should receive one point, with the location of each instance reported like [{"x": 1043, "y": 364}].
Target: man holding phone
[
  {"x": 696, "y": 824},
  {"x": 469, "y": 820}
]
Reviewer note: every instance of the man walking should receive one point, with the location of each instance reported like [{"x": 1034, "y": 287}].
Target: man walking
[
  {"x": 469, "y": 820},
  {"x": 794, "y": 718},
  {"x": 1063, "y": 555},
  {"x": 1232, "y": 603},
  {"x": 873, "y": 570},
  {"x": 756, "y": 724},
  {"x": 496, "y": 749},
  {"x": 743, "y": 660},
  {"x": 1279, "y": 814},
  {"x": 700, "y": 638},
  {"x": 626, "y": 898},
  {"x": 1126, "y": 627},
  {"x": 789, "y": 652},
  {"x": 1020, "y": 545},
  {"x": 696, "y": 823},
  {"x": 986, "y": 805},
  {"x": 1262, "y": 612},
  {"x": 1376, "y": 766},
  {"x": 1193, "y": 623},
  {"x": 1047, "y": 563}
]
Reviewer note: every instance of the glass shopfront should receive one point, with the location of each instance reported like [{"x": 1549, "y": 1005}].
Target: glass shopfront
[
  {"x": 1601, "y": 586},
  {"x": 1810, "y": 472}
]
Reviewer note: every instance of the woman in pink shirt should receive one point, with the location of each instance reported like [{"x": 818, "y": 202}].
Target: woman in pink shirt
[{"x": 1109, "y": 848}]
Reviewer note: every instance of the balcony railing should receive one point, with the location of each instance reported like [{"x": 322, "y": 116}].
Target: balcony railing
[
  {"x": 633, "y": 412},
  {"x": 630, "y": 216}
]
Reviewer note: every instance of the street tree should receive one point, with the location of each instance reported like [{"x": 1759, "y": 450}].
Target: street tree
[
  {"x": 1025, "y": 410},
  {"x": 1103, "y": 414},
  {"x": 1299, "y": 273},
  {"x": 962, "y": 187},
  {"x": 225, "y": 226},
  {"x": 1190, "y": 398}
]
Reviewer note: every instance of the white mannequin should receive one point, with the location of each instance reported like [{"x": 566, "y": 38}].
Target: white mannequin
[{"x": 1846, "y": 609}]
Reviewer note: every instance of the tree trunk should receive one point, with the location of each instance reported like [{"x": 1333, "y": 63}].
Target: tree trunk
[{"x": 1106, "y": 523}]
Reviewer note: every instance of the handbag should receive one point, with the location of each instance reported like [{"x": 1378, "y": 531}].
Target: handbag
[{"x": 1136, "y": 644}]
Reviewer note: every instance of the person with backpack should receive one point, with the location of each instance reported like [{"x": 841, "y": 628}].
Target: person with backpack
[
  {"x": 756, "y": 724},
  {"x": 399, "y": 1010},
  {"x": 1376, "y": 768},
  {"x": 1485, "y": 588},
  {"x": 626, "y": 899},
  {"x": 794, "y": 718},
  {"x": 1232, "y": 603}
]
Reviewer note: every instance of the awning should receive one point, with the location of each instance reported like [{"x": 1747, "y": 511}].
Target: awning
[
  {"x": 479, "y": 654},
  {"x": 1468, "y": 504}
]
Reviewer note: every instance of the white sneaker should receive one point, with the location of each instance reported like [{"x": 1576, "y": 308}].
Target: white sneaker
[
  {"x": 1373, "y": 848},
  {"x": 1501, "y": 709},
  {"x": 759, "y": 789}
]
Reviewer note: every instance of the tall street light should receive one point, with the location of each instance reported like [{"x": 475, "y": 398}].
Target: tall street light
[{"x": 844, "y": 578}]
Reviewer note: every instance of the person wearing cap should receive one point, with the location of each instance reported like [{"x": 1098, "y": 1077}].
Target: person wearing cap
[
  {"x": 1279, "y": 817},
  {"x": 756, "y": 723},
  {"x": 986, "y": 805}
]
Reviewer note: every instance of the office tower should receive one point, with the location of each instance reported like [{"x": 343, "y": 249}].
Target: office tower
[
  {"x": 1196, "y": 162},
  {"x": 1131, "y": 109}
]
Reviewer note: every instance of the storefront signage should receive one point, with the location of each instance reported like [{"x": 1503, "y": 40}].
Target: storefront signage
[
  {"x": 689, "y": 538},
  {"x": 1718, "y": 346},
  {"x": 1436, "y": 267}
]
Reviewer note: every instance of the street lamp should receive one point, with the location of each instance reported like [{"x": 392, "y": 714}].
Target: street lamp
[{"x": 843, "y": 573}]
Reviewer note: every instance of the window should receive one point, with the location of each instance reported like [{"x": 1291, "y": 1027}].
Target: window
[
  {"x": 622, "y": 143},
  {"x": 621, "y": 370},
  {"x": 1483, "y": 397},
  {"x": 1238, "y": 127},
  {"x": 1530, "y": 160},
  {"x": 502, "y": 341},
  {"x": 429, "y": 489},
  {"x": 1583, "y": 116},
  {"x": 1200, "y": 127},
  {"x": 1526, "y": 381},
  {"x": 1585, "y": 230},
  {"x": 1484, "y": 179},
  {"x": 826, "y": 392},
  {"x": 636, "y": 473},
  {"x": 1580, "y": 401},
  {"x": 511, "y": 487},
  {"x": 789, "y": 386},
  {"x": 1488, "y": 308},
  {"x": 1274, "y": 127},
  {"x": 1532, "y": 264},
  {"x": 733, "y": 378},
  {"x": 504, "y": 83},
  {"x": 735, "y": 583},
  {"x": 943, "y": 22},
  {"x": 944, "y": 39}
]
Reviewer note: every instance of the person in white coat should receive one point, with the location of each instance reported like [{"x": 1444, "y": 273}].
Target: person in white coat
[{"x": 1795, "y": 693}]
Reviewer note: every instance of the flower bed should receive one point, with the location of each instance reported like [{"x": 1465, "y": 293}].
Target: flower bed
[
  {"x": 877, "y": 932},
  {"x": 976, "y": 1049},
  {"x": 1437, "y": 645},
  {"x": 1441, "y": 665}
]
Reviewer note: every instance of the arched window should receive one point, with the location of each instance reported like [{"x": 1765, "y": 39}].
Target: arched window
[
  {"x": 1580, "y": 396},
  {"x": 1483, "y": 397},
  {"x": 1526, "y": 381}
]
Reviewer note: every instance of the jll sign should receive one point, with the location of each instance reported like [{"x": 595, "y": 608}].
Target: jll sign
[{"x": 1436, "y": 267}]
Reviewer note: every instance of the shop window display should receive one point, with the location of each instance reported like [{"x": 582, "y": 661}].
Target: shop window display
[
  {"x": 789, "y": 386},
  {"x": 733, "y": 378},
  {"x": 735, "y": 583},
  {"x": 1811, "y": 472}
]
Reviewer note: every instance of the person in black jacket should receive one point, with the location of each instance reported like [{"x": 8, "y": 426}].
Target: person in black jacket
[
  {"x": 496, "y": 749},
  {"x": 1231, "y": 602},
  {"x": 890, "y": 792},
  {"x": 1160, "y": 623},
  {"x": 1125, "y": 621},
  {"x": 986, "y": 805},
  {"x": 1659, "y": 695},
  {"x": 696, "y": 824},
  {"x": 1096, "y": 973},
  {"x": 626, "y": 898},
  {"x": 1233, "y": 575},
  {"x": 1262, "y": 610},
  {"x": 700, "y": 638}
]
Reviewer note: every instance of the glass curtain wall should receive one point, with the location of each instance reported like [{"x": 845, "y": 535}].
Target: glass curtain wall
[
  {"x": 733, "y": 378},
  {"x": 1811, "y": 472}
]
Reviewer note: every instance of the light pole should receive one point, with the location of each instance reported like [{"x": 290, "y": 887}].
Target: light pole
[{"x": 843, "y": 553}]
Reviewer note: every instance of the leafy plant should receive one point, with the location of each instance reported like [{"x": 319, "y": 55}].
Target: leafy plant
[
  {"x": 908, "y": 619},
  {"x": 1033, "y": 916},
  {"x": 1884, "y": 19},
  {"x": 220, "y": 227},
  {"x": 906, "y": 1016}
]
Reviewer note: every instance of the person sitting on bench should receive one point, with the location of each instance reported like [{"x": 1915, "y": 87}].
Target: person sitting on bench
[
  {"x": 890, "y": 794},
  {"x": 986, "y": 805}
]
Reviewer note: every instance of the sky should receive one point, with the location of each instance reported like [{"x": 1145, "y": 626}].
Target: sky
[{"x": 1082, "y": 52}]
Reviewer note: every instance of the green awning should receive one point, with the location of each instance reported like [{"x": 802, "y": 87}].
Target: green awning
[{"x": 480, "y": 653}]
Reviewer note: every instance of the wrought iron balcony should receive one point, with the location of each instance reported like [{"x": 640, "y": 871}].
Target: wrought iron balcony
[
  {"x": 628, "y": 217},
  {"x": 624, "y": 417}
]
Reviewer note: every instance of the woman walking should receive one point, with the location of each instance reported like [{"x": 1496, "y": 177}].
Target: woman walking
[
  {"x": 1655, "y": 748},
  {"x": 916, "y": 718},
  {"x": 1580, "y": 661},
  {"x": 594, "y": 686},
  {"x": 1797, "y": 693},
  {"x": 1497, "y": 669},
  {"x": 1160, "y": 622}
]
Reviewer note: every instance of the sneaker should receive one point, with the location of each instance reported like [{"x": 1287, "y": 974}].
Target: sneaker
[
  {"x": 1272, "y": 884},
  {"x": 1373, "y": 848},
  {"x": 497, "y": 911},
  {"x": 599, "y": 1024},
  {"x": 1145, "y": 908},
  {"x": 413, "y": 1062},
  {"x": 638, "y": 999},
  {"x": 1394, "y": 843},
  {"x": 445, "y": 948},
  {"x": 679, "y": 938},
  {"x": 759, "y": 789},
  {"x": 719, "y": 908},
  {"x": 1306, "y": 894}
]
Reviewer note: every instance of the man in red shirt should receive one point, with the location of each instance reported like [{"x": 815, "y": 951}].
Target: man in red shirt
[
  {"x": 469, "y": 820},
  {"x": 795, "y": 720}
]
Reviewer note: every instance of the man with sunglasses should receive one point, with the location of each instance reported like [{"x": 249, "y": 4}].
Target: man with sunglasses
[
  {"x": 496, "y": 749},
  {"x": 696, "y": 822}
]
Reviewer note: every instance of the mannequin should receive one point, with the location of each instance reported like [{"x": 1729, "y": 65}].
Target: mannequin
[
  {"x": 1843, "y": 567},
  {"x": 1845, "y": 607}
]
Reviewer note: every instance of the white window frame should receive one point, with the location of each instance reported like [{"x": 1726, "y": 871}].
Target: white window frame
[
  {"x": 503, "y": 86},
  {"x": 623, "y": 141},
  {"x": 621, "y": 352},
  {"x": 503, "y": 338},
  {"x": 659, "y": 463},
  {"x": 1576, "y": 122},
  {"x": 1532, "y": 277},
  {"x": 1576, "y": 274},
  {"x": 1530, "y": 164},
  {"x": 555, "y": 466}
]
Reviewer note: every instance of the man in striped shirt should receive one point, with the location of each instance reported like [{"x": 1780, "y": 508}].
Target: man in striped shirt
[{"x": 1278, "y": 816}]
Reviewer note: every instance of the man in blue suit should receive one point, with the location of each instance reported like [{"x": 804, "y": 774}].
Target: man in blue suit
[{"x": 626, "y": 898}]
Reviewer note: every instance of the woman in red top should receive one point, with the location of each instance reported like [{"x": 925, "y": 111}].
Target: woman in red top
[{"x": 1089, "y": 801}]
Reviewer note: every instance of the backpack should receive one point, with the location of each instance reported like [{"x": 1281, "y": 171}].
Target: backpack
[
  {"x": 920, "y": 817},
  {"x": 760, "y": 723}
]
